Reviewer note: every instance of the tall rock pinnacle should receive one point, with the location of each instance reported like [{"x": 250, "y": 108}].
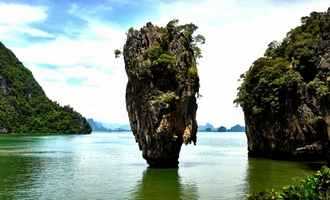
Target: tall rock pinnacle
[{"x": 161, "y": 91}]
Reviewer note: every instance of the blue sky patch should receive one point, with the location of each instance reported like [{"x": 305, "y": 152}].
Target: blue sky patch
[
  {"x": 47, "y": 66},
  {"x": 74, "y": 81},
  {"x": 121, "y": 12}
]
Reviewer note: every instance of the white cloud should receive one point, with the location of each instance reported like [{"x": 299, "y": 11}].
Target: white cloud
[
  {"x": 18, "y": 19},
  {"x": 90, "y": 57},
  {"x": 101, "y": 96},
  {"x": 19, "y": 14}
]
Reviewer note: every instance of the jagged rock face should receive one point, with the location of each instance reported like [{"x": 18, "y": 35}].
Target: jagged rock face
[
  {"x": 24, "y": 107},
  {"x": 285, "y": 95},
  {"x": 161, "y": 92},
  {"x": 298, "y": 130}
]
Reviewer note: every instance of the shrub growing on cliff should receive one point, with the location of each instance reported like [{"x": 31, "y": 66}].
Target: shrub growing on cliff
[
  {"x": 166, "y": 97},
  {"x": 165, "y": 59},
  {"x": 319, "y": 87},
  {"x": 262, "y": 85},
  {"x": 192, "y": 71},
  {"x": 117, "y": 53},
  {"x": 153, "y": 52},
  {"x": 188, "y": 31}
]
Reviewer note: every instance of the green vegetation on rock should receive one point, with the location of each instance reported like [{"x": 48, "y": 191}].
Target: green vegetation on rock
[
  {"x": 117, "y": 53},
  {"x": 24, "y": 107},
  {"x": 260, "y": 90},
  {"x": 295, "y": 60},
  {"x": 192, "y": 71},
  {"x": 160, "y": 53},
  {"x": 321, "y": 88},
  {"x": 167, "y": 97}
]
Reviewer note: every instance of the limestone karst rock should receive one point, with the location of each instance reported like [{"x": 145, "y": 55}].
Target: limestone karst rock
[
  {"x": 162, "y": 87},
  {"x": 25, "y": 108},
  {"x": 285, "y": 95}
]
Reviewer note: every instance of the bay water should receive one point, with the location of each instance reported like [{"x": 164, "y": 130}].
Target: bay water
[{"x": 110, "y": 166}]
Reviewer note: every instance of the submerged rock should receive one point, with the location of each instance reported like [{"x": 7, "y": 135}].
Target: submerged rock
[
  {"x": 285, "y": 95},
  {"x": 161, "y": 91}
]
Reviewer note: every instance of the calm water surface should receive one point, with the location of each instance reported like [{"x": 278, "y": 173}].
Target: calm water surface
[{"x": 110, "y": 166}]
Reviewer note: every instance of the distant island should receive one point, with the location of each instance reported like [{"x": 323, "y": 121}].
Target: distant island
[
  {"x": 208, "y": 127},
  {"x": 98, "y": 126},
  {"x": 107, "y": 127}
]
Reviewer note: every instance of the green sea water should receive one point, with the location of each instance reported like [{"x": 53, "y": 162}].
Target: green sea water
[{"x": 110, "y": 166}]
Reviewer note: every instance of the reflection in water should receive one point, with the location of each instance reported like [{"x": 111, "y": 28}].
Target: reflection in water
[
  {"x": 164, "y": 184},
  {"x": 17, "y": 174},
  {"x": 17, "y": 170},
  {"x": 27, "y": 165},
  {"x": 265, "y": 173}
]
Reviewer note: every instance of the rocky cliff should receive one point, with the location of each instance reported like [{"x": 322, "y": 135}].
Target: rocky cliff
[
  {"x": 24, "y": 107},
  {"x": 285, "y": 95},
  {"x": 161, "y": 91}
]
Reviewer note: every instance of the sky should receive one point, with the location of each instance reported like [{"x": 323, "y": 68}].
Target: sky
[{"x": 69, "y": 45}]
